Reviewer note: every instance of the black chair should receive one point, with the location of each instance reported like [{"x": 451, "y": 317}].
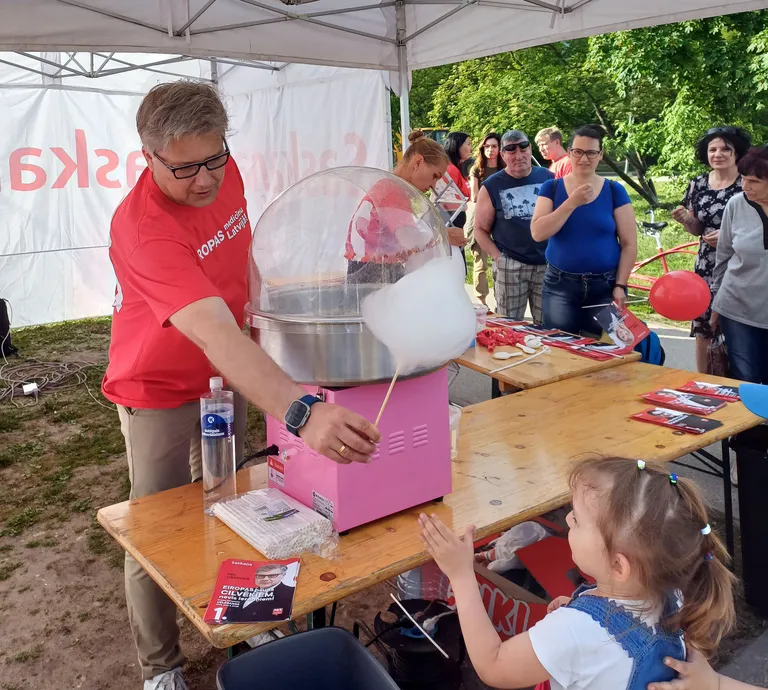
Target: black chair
[{"x": 321, "y": 659}]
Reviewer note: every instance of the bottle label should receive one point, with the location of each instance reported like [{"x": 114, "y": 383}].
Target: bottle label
[{"x": 217, "y": 426}]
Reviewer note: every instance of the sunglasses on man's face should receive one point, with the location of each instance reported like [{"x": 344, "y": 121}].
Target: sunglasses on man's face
[{"x": 511, "y": 148}]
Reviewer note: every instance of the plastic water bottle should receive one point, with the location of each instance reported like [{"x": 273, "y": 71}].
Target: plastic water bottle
[{"x": 217, "y": 422}]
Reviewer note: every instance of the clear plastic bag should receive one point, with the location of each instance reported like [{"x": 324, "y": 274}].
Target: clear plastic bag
[
  {"x": 500, "y": 557},
  {"x": 277, "y": 525}
]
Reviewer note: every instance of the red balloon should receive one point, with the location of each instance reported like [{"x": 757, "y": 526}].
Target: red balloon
[{"x": 680, "y": 295}]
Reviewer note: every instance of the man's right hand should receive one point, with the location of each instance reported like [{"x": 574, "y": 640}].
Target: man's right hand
[{"x": 340, "y": 434}]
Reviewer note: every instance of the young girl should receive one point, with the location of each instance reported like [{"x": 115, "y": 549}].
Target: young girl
[{"x": 643, "y": 535}]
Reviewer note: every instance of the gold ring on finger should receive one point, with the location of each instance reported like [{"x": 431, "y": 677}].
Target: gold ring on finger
[{"x": 342, "y": 450}]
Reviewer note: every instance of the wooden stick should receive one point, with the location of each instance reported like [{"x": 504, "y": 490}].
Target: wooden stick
[
  {"x": 386, "y": 399},
  {"x": 424, "y": 632}
]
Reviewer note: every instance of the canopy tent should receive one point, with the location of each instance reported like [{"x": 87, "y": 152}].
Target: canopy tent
[
  {"x": 394, "y": 35},
  {"x": 69, "y": 153}
]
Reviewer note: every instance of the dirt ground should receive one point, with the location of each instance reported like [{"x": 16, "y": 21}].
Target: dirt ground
[{"x": 63, "y": 622}]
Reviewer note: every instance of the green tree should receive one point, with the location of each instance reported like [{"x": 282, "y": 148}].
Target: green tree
[{"x": 655, "y": 91}]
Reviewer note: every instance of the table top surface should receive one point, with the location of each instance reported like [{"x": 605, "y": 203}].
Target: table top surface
[
  {"x": 514, "y": 457},
  {"x": 557, "y": 365}
]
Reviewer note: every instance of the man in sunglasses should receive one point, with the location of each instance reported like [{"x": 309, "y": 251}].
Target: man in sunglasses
[
  {"x": 179, "y": 244},
  {"x": 503, "y": 215}
]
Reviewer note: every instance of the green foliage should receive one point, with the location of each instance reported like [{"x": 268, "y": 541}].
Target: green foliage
[{"x": 655, "y": 91}]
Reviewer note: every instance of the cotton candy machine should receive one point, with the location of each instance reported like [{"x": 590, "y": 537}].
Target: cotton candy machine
[{"x": 318, "y": 250}]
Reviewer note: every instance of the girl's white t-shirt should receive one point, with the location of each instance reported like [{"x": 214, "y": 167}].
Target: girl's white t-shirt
[{"x": 579, "y": 653}]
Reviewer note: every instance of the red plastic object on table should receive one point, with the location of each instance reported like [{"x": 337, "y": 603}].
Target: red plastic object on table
[
  {"x": 491, "y": 338},
  {"x": 680, "y": 295}
]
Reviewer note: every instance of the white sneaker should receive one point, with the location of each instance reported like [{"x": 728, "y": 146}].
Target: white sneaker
[
  {"x": 734, "y": 473},
  {"x": 264, "y": 638},
  {"x": 170, "y": 680}
]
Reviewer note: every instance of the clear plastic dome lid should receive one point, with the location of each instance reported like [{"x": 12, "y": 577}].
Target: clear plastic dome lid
[{"x": 333, "y": 237}]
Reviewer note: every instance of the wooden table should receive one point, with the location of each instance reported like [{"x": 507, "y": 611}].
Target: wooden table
[
  {"x": 557, "y": 365},
  {"x": 514, "y": 456}
]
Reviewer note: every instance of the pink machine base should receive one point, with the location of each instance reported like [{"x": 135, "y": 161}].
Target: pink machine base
[{"x": 411, "y": 466}]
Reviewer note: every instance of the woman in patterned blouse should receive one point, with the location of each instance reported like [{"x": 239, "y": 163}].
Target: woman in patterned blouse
[{"x": 702, "y": 209}]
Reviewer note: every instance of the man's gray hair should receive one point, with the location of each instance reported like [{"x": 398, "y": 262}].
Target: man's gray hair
[
  {"x": 171, "y": 111},
  {"x": 513, "y": 135}
]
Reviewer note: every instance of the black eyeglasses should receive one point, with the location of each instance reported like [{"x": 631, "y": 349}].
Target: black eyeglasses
[
  {"x": 511, "y": 148},
  {"x": 591, "y": 154},
  {"x": 184, "y": 172}
]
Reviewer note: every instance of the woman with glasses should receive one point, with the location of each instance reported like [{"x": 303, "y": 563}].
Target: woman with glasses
[
  {"x": 488, "y": 163},
  {"x": 702, "y": 208},
  {"x": 590, "y": 225}
]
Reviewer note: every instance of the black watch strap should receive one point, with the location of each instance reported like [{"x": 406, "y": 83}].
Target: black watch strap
[{"x": 298, "y": 413}]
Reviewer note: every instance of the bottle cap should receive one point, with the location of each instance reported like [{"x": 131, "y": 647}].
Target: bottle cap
[{"x": 217, "y": 383}]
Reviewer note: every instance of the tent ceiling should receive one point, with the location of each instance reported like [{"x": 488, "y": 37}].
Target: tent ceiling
[{"x": 349, "y": 33}]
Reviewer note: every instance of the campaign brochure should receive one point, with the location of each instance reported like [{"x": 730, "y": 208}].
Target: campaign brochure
[
  {"x": 623, "y": 328},
  {"x": 253, "y": 592},
  {"x": 689, "y": 423},
  {"x": 685, "y": 402},
  {"x": 713, "y": 390}
]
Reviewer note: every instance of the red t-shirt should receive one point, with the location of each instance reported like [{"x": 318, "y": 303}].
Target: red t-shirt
[
  {"x": 384, "y": 210},
  {"x": 561, "y": 167},
  {"x": 461, "y": 182},
  {"x": 167, "y": 256}
]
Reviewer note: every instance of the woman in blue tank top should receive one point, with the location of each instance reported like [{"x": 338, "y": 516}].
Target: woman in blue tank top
[{"x": 590, "y": 225}]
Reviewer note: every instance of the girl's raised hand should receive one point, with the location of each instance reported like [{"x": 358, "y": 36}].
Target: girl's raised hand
[
  {"x": 454, "y": 555},
  {"x": 557, "y": 603}
]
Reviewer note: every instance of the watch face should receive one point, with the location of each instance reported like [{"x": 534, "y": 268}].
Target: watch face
[{"x": 297, "y": 414}]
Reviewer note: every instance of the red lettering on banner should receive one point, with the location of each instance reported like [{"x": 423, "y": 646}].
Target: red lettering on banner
[
  {"x": 19, "y": 167},
  {"x": 361, "y": 154},
  {"x": 133, "y": 168},
  {"x": 113, "y": 160},
  {"x": 326, "y": 158},
  {"x": 80, "y": 163},
  {"x": 310, "y": 158}
]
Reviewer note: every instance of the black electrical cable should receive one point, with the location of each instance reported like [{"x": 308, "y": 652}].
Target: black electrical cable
[{"x": 266, "y": 452}]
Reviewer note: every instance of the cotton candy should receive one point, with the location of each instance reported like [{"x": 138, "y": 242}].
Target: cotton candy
[{"x": 425, "y": 319}]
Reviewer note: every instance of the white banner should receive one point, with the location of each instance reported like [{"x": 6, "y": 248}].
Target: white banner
[{"x": 68, "y": 157}]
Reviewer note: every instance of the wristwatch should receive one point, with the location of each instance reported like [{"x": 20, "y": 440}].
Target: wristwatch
[
  {"x": 298, "y": 413},
  {"x": 623, "y": 287}
]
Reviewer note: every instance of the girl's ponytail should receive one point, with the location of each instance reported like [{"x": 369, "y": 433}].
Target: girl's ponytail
[{"x": 708, "y": 613}]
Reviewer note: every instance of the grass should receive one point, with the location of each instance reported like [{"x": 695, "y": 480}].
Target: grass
[
  {"x": 7, "y": 568},
  {"x": 28, "y": 654},
  {"x": 36, "y": 543},
  {"x": 17, "y": 523}
]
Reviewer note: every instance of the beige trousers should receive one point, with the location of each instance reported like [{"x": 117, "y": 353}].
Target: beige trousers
[{"x": 163, "y": 450}]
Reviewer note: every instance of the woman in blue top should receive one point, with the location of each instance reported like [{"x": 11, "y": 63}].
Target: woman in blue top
[{"x": 590, "y": 225}]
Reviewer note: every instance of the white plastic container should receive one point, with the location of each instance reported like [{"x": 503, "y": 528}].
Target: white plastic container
[{"x": 481, "y": 314}]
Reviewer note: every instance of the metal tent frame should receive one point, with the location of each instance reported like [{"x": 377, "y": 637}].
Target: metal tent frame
[{"x": 94, "y": 65}]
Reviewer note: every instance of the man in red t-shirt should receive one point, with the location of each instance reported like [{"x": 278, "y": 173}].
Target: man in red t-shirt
[
  {"x": 179, "y": 245},
  {"x": 550, "y": 143}
]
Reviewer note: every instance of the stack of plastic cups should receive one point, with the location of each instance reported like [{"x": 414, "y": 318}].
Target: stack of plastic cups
[{"x": 481, "y": 314}]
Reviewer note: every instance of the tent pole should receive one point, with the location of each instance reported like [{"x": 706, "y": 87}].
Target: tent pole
[
  {"x": 402, "y": 65},
  {"x": 214, "y": 72}
]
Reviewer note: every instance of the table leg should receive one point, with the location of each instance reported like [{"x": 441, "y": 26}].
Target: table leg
[
  {"x": 727, "y": 497},
  {"x": 316, "y": 619},
  {"x": 495, "y": 389}
]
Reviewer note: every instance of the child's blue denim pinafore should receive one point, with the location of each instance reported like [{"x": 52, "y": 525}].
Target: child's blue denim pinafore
[{"x": 646, "y": 648}]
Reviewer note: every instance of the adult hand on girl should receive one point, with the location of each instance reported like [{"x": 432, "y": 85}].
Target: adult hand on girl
[
  {"x": 582, "y": 195},
  {"x": 454, "y": 555},
  {"x": 557, "y": 603},
  {"x": 695, "y": 674}
]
